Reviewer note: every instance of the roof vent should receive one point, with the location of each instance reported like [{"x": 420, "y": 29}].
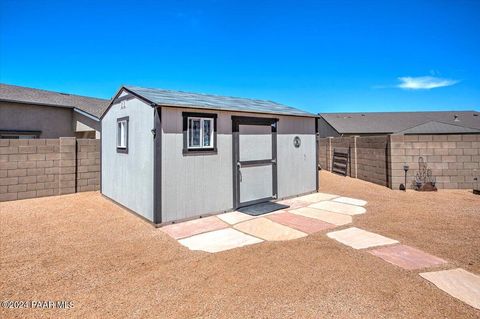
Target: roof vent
[{"x": 455, "y": 118}]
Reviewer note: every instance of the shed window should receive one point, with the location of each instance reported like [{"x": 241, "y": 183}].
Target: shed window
[
  {"x": 122, "y": 135},
  {"x": 199, "y": 132}
]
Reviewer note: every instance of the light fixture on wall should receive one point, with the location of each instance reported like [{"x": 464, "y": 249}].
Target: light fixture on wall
[{"x": 405, "y": 168}]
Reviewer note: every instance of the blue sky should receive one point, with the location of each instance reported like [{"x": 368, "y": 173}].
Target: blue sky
[{"x": 321, "y": 56}]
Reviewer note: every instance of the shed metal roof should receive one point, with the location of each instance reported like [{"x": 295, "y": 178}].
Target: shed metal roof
[
  {"x": 20, "y": 94},
  {"x": 394, "y": 122},
  {"x": 215, "y": 102}
]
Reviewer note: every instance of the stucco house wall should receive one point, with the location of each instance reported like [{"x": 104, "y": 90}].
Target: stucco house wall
[{"x": 53, "y": 122}]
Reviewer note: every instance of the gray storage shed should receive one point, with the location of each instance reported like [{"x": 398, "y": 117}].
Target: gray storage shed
[{"x": 171, "y": 156}]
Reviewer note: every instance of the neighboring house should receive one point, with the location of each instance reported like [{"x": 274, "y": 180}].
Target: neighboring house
[
  {"x": 33, "y": 113},
  {"x": 171, "y": 156},
  {"x": 404, "y": 123}
]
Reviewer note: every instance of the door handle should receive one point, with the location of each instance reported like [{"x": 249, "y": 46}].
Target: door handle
[{"x": 239, "y": 166}]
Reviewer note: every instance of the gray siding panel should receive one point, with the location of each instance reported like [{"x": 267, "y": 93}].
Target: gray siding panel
[
  {"x": 194, "y": 184},
  {"x": 200, "y": 184},
  {"x": 296, "y": 166},
  {"x": 128, "y": 178}
]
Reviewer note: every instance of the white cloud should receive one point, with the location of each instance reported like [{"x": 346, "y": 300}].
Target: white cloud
[{"x": 424, "y": 82}]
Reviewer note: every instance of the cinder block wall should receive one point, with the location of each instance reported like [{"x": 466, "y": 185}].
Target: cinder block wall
[
  {"x": 326, "y": 147},
  {"x": 453, "y": 159},
  {"x": 372, "y": 164},
  {"x": 324, "y": 153},
  {"x": 46, "y": 167},
  {"x": 88, "y": 165}
]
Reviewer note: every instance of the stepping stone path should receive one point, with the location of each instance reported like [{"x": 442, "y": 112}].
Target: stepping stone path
[
  {"x": 266, "y": 229},
  {"x": 219, "y": 240},
  {"x": 340, "y": 208},
  {"x": 458, "y": 283},
  {"x": 358, "y": 238},
  {"x": 297, "y": 221},
  {"x": 407, "y": 257},
  {"x": 323, "y": 215},
  {"x": 194, "y": 227},
  {"x": 301, "y": 223},
  {"x": 310, "y": 214}
]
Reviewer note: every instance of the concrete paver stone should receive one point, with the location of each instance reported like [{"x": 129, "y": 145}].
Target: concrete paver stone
[
  {"x": 358, "y": 238},
  {"x": 302, "y": 223},
  {"x": 340, "y": 208},
  {"x": 458, "y": 283},
  {"x": 294, "y": 203},
  {"x": 194, "y": 227},
  {"x": 234, "y": 217},
  {"x": 407, "y": 257},
  {"x": 323, "y": 215},
  {"x": 266, "y": 229},
  {"x": 351, "y": 201},
  {"x": 219, "y": 240},
  {"x": 316, "y": 197}
]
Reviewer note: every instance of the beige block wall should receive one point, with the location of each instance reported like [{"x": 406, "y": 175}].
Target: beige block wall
[
  {"x": 46, "y": 167},
  {"x": 88, "y": 165},
  {"x": 372, "y": 162},
  {"x": 453, "y": 159},
  {"x": 326, "y": 148}
]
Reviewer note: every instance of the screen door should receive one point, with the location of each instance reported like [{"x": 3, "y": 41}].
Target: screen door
[{"x": 254, "y": 160}]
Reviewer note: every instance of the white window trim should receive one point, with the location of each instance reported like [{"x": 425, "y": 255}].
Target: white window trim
[
  {"x": 212, "y": 136},
  {"x": 122, "y": 135}
]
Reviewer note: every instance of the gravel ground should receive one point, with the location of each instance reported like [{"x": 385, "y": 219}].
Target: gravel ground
[{"x": 111, "y": 264}]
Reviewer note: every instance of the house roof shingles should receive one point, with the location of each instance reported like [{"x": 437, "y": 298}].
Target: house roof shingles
[
  {"x": 404, "y": 122},
  {"x": 19, "y": 94},
  {"x": 216, "y": 102}
]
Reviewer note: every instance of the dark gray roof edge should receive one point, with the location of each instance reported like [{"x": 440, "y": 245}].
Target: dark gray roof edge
[
  {"x": 85, "y": 113},
  {"x": 234, "y": 110},
  {"x": 123, "y": 87}
]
